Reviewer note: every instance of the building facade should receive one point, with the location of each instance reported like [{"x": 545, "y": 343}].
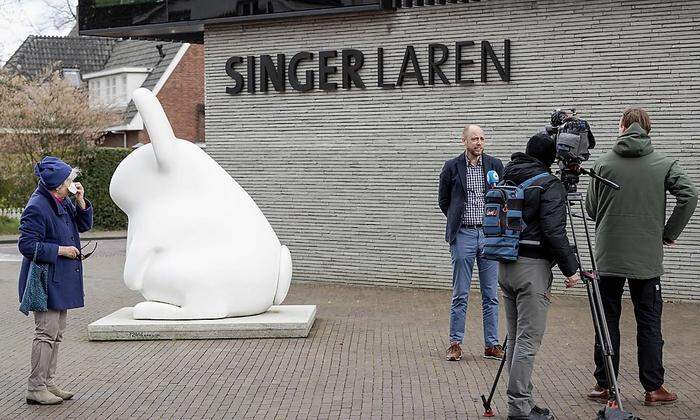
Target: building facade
[
  {"x": 348, "y": 177},
  {"x": 342, "y": 135},
  {"x": 174, "y": 72}
]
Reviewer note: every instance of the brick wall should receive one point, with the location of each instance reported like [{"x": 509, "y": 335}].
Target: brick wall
[
  {"x": 182, "y": 96},
  {"x": 117, "y": 139},
  {"x": 348, "y": 179}
]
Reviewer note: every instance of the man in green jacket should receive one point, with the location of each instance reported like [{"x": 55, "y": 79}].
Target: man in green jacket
[{"x": 630, "y": 233}]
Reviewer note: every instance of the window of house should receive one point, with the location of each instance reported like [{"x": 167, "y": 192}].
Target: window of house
[
  {"x": 91, "y": 92},
  {"x": 113, "y": 90},
  {"x": 104, "y": 91},
  {"x": 72, "y": 76},
  {"x": 98, "y": 91},
  {"x": 123, "y": 93}
]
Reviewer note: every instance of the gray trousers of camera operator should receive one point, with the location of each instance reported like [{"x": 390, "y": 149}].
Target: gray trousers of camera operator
[
  {"x": 525, "y": 285},
  {"x": 48, "y": 334}
]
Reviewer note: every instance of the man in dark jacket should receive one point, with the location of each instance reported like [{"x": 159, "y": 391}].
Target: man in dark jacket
[
  {"x": 630, "y": 234},
  {"x": 461, "y": 198},
  {"x": 48, "y": 234},
  {"x": 526, "y": 282}
]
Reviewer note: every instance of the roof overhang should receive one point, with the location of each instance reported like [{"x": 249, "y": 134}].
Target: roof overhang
[
  {"x": 184, "y": 21},
  {"x": 116, "y": 70}
]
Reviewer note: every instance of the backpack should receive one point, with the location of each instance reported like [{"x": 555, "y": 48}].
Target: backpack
[{"x": 503, "y": 220}]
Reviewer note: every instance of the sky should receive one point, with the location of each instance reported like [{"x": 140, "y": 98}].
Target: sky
[{"x": 21, "y": 18}]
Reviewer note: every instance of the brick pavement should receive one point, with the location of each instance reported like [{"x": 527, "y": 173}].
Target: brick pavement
[{"x": 373, "y": 353}]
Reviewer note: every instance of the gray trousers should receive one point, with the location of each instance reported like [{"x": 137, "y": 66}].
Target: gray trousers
[
  {"x": 48, "y": 335},
  {"x": 525, "y": 285}
]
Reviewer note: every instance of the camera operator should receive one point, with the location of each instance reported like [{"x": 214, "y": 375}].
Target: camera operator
[
  {"x": 526, "y": 282},
  {"x": 630, "y": 233}
]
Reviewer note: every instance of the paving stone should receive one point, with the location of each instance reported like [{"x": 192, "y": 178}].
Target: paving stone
[{"x": 374, "y": 352}]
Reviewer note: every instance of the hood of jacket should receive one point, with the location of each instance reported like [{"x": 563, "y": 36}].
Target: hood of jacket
[
  {"x": 523, "y": 167},
  {"x": 634, "y": 142}
]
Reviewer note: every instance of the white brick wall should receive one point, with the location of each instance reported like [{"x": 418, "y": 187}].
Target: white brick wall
[{"x": 348, "y": 179}]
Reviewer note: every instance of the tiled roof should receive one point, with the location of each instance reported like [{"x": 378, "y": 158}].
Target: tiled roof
[
  {"x": 39, "y": 53},
  {"x": 92, "y": 54},
  {"x": 135, "y": 53}
]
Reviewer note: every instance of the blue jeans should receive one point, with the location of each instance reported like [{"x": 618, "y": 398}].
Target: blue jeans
[{"x": 468, "y": 247}]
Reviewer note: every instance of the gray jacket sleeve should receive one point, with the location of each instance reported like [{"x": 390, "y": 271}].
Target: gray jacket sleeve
[{"x": 679, "y": 184}]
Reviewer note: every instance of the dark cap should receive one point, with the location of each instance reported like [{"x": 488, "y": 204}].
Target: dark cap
[{"x": 542, "y": 147}]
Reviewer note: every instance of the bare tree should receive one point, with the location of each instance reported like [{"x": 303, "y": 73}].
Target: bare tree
[
  {"x": 64, "y": 13},
  {"x": 46, "y": 116},
  {"x": 19, "y": 18}
]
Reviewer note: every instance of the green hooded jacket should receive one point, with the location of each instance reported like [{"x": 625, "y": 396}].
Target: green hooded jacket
[{"x": 630, "y": 222}]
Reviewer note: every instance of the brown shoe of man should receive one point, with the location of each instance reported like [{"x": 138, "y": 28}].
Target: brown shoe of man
[
  {"x": 659, "y": 397},
  {"x": 494, "y": 352},
  {"x": 454, "y": 352},
  {"x": 599, "y": 394}
]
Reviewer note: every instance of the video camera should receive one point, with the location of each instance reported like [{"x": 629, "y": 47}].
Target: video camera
[{"x": 573, "y": 138}]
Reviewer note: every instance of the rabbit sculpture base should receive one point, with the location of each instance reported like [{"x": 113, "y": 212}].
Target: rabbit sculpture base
[
  {"x": 198, "y": 247},
  {"x": 285, "y": 321}
]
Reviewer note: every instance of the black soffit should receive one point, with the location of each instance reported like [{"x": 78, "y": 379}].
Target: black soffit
[{"x": 166, "y": 24}]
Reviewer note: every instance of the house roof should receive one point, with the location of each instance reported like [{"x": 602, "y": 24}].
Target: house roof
[
  {"x": 93, "y": 54},
  {"x": 40, "y": 53},
  {"x": 135, "y": 53}
]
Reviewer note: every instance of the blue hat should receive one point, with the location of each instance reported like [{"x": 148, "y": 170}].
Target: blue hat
[{"x": 52, "y": 171}]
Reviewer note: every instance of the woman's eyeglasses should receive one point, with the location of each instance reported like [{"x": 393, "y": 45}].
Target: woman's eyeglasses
[{"x": 83, "y": 255}]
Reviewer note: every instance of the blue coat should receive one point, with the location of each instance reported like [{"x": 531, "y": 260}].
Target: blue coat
[{"x": 45, "y": 225}]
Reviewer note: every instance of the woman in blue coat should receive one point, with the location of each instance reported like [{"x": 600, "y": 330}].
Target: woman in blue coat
[{"x": 48, "y": 234}]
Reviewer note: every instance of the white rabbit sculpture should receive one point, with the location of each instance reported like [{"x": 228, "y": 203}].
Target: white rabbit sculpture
[{"x": 198, "y": 247}]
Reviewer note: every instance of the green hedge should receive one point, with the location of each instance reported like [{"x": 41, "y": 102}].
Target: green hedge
[
  {"x": 8, "y": 226},
  {"x": 96, "y": 176},
  {"x": 97, "y": 165},
  {"x": 15, "y": 192}
]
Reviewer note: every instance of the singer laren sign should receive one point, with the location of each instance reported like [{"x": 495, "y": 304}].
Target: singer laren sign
[{"x": 265, "y": 71}]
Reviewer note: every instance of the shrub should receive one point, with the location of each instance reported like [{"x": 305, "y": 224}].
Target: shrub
[
  {"x": 96, "y": 176},
  {"x": 98, "y": 165},
  {"x": 16, "y": 186},
  {"x": 8, "y": 226}
]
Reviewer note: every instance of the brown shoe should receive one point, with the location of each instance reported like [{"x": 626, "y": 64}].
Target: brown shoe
[
  {"x": 494, "y": 352},
  {"x": 599, "y": 394},
  {"x": 659, "y": 397},
  {"x": 454, "y": 353}
]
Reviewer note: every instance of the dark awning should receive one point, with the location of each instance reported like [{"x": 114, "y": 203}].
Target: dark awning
[{"x": 185, "y": 19}]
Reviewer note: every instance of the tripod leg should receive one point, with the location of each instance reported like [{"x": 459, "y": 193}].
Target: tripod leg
[
  {"x": 488, "y": 412},
  {"x": 606, "y": 344},
  {"x": 599, "y": 331},
  {"x": 599, "y": 322}
]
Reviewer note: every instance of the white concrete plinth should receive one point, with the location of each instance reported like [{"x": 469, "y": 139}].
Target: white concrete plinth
[{"x": 284, "y": 321}]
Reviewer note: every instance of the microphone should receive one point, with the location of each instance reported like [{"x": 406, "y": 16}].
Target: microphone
[{"x": 492, "y": 178}]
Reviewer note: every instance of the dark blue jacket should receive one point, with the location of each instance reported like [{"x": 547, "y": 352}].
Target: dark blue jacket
[
  {"x": 452, "y": 191},
  {"x": 45, "y": 225}
]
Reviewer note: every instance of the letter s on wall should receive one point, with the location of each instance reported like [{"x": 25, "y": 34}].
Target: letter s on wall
[{"x": 233, "y": 74}]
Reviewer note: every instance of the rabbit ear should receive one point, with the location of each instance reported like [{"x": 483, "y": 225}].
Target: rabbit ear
[{"x": 157, "y": 125}]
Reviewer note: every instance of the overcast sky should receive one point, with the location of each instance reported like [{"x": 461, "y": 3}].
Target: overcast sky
[{"x": 21, "y": 18}]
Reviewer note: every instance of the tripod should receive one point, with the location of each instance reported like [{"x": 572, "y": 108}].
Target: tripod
[
  {"x": 488, "y": 411},
  {"x": 592, "y": 287}
]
